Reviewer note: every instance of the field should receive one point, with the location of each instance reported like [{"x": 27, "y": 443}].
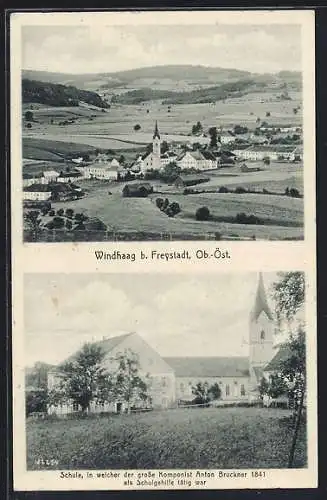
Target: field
[
  {"x": 119, "y": 120},
  {"x": 281, "y": 210},
  {"x": 211, "y": 438},
  {"x": 130, "y": 215}
]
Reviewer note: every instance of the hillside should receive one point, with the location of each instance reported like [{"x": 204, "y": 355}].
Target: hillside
[
  {"x": 53, "y": 94},
  {"x": 210, "y": 94},
  {"x": 175, "y": 73}
]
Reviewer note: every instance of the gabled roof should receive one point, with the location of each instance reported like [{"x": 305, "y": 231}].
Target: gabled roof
[
  {"x": 38, "y": 188},
  {"x": 283, "y": 353},
  {"x": 106, "y": 345},
  {"x": 209, "y": 366},
  {"x": 261, "y": 303}
]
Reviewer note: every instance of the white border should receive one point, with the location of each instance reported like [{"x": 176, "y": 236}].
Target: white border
[{"x": 69, "y": 257}]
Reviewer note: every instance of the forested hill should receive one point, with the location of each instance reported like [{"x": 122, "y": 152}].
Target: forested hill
[
  {"x": 209, "y": 94},
  {"x": 53, "y": 94}
]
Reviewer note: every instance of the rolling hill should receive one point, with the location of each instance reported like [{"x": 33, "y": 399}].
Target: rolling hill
[
  {"x": 200, "y": 75},
  {"x": 54, "y": 94}
]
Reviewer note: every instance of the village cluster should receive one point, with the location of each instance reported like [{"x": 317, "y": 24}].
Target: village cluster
[{"x": 250, "y": 150}]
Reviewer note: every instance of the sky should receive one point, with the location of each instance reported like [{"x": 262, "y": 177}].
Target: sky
[
  {"x": 91, "y": 49},
  {"x": 178, "y": 315}
]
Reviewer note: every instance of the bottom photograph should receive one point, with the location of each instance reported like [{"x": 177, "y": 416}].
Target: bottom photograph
[{"x": 151, "y": 371}]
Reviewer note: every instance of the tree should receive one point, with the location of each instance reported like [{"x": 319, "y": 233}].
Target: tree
[
  {"x": 29, "y": 117},
  {"x": 214, "y": 392},
  {"x": 213, "y": 137},
  {"x": 84, "y": 379},
  {"x": 137, "y": 127},
  {"x": 266, "y": 160},
  {"x": 60, "y": 212},
  {"x": 128, "y": 383},
  {"x": 58, "y": 223},
  {"x": 267, "y": 113},
  {"x": 36, "y": 401},
  {"x": 289, "y": 295},
  {"x": 69, "y": 213},
  {"x": 197, "y": 128},
  {"x": 201, "y": 393},
  {"x": 164, "y": 147},
  {"x": 202, "y": 213},
  {"x": 33, "y": 220},
  {"x": 69, "y": 224}
]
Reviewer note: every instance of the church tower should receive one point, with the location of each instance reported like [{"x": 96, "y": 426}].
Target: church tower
[
  {"x": 156, "y": 149},
  {"x": 261, "y": 332}
]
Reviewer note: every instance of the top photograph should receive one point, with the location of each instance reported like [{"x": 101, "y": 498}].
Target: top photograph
[{"x": 162, "y": 131}]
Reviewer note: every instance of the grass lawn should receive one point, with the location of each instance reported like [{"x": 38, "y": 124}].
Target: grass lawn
[
  {"x": 185, "y": 438},
  {"x": 280, "y": 209}
]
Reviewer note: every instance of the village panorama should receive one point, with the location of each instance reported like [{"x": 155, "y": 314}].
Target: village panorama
[{"x": 162, "y": 153}]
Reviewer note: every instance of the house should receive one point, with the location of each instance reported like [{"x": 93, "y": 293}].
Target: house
[
  {"x": 50, "y": 176},
  {"x": 190, "y": 180},
  {"x": 170, "y": 379},
  {"x": 37, "y": 192},
  {"x": 228, "y": 138},
  {"x": 159, "y": 375},
  {"x": 101, "y": 171},
  {"x": 246, "y": 168},
  {"x": 231, "y": 374},
  {"x": 29, "y": 179},
  {"x": 258, "y": 152},
  {"x": 197, "y": 160},
  {"x": 137, "y": 189},
  {"x": 71, "y": 176},
  {"x": 280, "y": 128}
]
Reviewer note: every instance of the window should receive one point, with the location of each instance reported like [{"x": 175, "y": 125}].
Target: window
[
  {"x": 242, "y": 390},
  {"x": 181, "y": 387},
  {"x": 262, "y": 335},
  {"x": 227, "y": 390},
  {"x": 75, "y": 406},
  {"x": 163, "y": 382}
]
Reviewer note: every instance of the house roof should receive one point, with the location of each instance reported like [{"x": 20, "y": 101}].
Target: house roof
[
  {"x": 261, "y": 303},
  {"x": 38, "y": 188},
  {"x": 70, "y": 174},
  {"x": 209, "y": 366},
  {"x": 107, "y": 345},
  {"x": 281, "y": 355},
  {"x": 50, "y": 172},
  {"x": 278, "y": 148}
]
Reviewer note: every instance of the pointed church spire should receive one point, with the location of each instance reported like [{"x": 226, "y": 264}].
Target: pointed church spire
[
  {"x": 156, "y": 131},
  {"x": 261, "y": 303}
]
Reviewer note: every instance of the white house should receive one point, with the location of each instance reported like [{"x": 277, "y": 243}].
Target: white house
[
  {"x": 199, "y": 160},
  {"x": 273, "y": 152},
  {"x": 50, "y": 176},
  {"x": 36, "y": 192}
]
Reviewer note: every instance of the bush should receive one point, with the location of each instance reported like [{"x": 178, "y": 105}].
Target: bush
[
  {"x": 69, "y": 212},
  {"x": 243, "y": 218},
  {"x": 223, "y": 189},
  {"x": 69, "y": 224},
  {"x": 137, "y": 127},
  {"x": 52, "y": 213},
  {"x": 58, "y": 223},
  {"x": 159, "y": 203},
  {"x": 202, "y": 213},
  {"x": 240, "y": 190},
  {"x": 60, "y": 212}
]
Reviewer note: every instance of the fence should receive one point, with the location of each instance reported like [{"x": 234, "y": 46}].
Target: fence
[{"x": 59, "y": 235}]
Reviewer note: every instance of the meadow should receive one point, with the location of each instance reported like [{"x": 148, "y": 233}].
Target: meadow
[
  {"x": 174, "y": 121},
  {"x": 130, "y": 215},
  {"x": 210, "y": 438}
]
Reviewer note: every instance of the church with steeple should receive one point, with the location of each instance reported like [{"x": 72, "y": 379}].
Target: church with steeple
[{"x": 172, "y": 378}]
